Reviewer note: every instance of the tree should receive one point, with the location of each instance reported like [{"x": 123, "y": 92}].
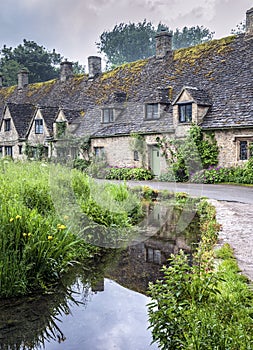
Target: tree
[
  {"x": 191, "y": 36},
  {"x": 131, "y": 42},
  {"x": 240, "y": 28},
  {"x": 127, "y": 42},
  {"x": 42, "y": 64}
]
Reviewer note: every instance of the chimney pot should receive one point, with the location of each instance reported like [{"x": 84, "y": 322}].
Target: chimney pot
[
  {"x": 66, "y": 71},
  {"x": 163, "y": 44},
  {"x": 22, "y": 78},
  {"x": 249, "y": 22},
  {"x": 94, "y": 66}
]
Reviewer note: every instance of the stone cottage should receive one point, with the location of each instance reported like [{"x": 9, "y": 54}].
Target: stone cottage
[{"x": 210, "y": 84}]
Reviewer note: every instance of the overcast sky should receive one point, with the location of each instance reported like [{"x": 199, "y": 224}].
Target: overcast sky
[{"x": 72, "y": 27}]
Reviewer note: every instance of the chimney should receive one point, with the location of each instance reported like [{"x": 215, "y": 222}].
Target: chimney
[
  {"x": 22, "y": 78},
  {"x": 163, "y": 44},
  {"x": 249, "y": 22},
  {"x": 94, "y": 66},
  {"x": 66, "y": 71}
]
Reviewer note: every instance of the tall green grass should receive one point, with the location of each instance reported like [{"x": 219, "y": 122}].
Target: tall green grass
[{"x": 38, "y": 242}]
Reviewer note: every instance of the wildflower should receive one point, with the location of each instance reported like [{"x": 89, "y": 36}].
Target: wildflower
[
  {"x": 24, "y": 234},
  {"x": 50, "y": 238},
  {"x": 11, "y": 219},
  {"x": 66, "y": 217},
  {"x": 29, "y": 234},
  {"x": 61, "y": 227},
  {"x": 18, "y": 217}
]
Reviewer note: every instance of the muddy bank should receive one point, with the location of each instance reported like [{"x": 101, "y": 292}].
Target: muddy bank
[{"x": 237, "y": 230}]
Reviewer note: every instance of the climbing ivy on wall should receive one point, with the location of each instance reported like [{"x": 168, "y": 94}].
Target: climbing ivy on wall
[
  {"x": 191, "y": 154},
  {"x": 138, "y": 144}
]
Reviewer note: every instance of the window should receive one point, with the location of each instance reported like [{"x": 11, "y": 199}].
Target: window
[
  {"x": 99, "y": 152},
  {"x": 243, "y": 150},
  {"x": 185, "y": 113},
  {"x": 19, "y": 149},
  {"x": 136, "y": 155},
  {"x": 7, "y": 124},
  {"x": 38, "y": 126},
  {"x": 107, "y": 115},
  {"x": 8, "y": 151},
  {"x": 152, "y": 111},
  {"x": 1, "y": 151}
]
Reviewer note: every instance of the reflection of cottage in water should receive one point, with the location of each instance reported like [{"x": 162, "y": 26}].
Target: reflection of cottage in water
[{"x": 140, "y": 263}]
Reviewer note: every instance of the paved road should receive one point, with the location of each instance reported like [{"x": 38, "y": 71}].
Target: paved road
[{"x": 227, "y": 193}]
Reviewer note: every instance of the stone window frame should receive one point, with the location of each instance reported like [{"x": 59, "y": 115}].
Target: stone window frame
[
  {"x": 152, "y": 111},
  {"x": 110, "y": 117},
  {"x": 39, "y": 126},
  {"x": 7, "y": 124},
  {"x": 183, "y": 116},
  {"x": 20, "y": 149}
]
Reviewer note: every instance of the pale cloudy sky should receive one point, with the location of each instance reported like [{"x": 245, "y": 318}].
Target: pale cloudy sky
[{"x": 73, "y": 26}]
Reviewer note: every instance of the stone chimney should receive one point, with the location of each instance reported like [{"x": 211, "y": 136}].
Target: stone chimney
[
  {"x": 66, "y": 71},
  {"x": 94, "y": 66},
  {"x": 249, "y": 22},
  {"x": 22, "y": 78},
  {"x": 163, "y": 44}
]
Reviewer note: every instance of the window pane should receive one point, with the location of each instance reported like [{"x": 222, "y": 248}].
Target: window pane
[
  {"x": 185, "y": 113},
  {"x": 38, "y": 126},
  {"x": 7, "y": 125},
  {"x": 182, "y": 113},
  {"x": 243, "y": 150},
  {"x": 188, "y": 112},
  {"x": 107, "y": 115},
  {"x": 152, "y": 111}
]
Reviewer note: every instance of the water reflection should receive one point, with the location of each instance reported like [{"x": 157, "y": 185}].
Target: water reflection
[{"x": 90, "y": 310}]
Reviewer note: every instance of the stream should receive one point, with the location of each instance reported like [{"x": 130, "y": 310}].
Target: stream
[{"x": 102, "y": 305}]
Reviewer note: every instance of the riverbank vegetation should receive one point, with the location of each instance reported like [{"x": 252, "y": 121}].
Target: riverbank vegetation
[
  {"x": 39, "y": 238},
  {"x": 203, "y": 305}
]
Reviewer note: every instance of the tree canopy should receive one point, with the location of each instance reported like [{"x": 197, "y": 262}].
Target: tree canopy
[
  {"x": 131, "y": 42},
  {"x": 240, "y": 28},
  {"x": 42, "y": 64}
]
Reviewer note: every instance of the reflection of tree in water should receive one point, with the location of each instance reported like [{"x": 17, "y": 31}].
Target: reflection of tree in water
[{"x": 27, "y": 323}]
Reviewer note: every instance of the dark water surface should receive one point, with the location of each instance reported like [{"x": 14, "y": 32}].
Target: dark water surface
[{"x": 102, "y": 306}]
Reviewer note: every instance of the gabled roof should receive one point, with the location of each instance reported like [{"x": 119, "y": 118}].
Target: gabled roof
[
  {"x": 72, "y": 115},
  {"x": 21, "y": 115},
  {"x": 199, "y": 96},
  {"x": 49, "y": 115}
]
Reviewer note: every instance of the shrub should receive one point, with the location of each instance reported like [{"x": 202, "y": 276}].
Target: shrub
[{"x": 129, "y": 174}]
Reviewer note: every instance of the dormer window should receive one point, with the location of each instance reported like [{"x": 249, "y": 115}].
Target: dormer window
[
  {"x": 38, "y": 126},
  {"x": 151, "y": 111},
  {"x": 7, "y": 124},
  {"x": 107, "y": 115},
  {"x": 185, "y": 112}
]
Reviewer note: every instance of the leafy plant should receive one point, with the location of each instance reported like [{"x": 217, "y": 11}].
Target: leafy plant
[{"x": 129, "y": 174}]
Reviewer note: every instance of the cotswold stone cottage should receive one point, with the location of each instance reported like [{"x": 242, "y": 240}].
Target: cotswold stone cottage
[{"x": 210, "y": 84}]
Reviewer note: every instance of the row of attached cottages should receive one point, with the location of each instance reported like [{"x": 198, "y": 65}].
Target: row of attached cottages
[{"x": 210, "y": 84}]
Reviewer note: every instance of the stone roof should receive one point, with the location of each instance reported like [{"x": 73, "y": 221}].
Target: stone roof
[
  {"x": 220, "y": 70},
  {"x": 21, "y": 115}
]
